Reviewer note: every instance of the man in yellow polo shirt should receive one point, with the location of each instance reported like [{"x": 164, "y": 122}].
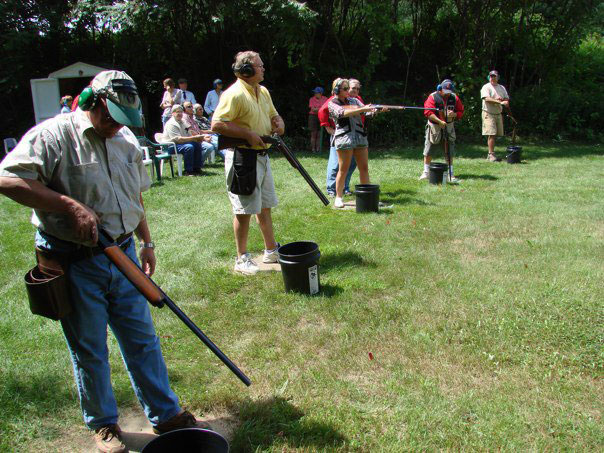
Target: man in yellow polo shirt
[{"x": 246, "y": 111}]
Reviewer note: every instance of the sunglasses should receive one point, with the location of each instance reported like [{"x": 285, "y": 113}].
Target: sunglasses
[{"x": 345, "y": 88}]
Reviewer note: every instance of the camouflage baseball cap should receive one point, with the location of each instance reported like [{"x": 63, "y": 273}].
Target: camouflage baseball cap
[{"x": 123, "y": 102}]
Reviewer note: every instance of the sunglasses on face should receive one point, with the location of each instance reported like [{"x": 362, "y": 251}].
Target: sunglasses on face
[{"x": 345, "y": 88}]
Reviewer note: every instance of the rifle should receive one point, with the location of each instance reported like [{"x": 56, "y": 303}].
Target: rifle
[
  {"x": 401, "y": 107},
  {"x": 444, "y": 115},
  {"x": 389, "y": 107},
  {"x": 156, "y": 297},
  {"x": 232, "y": 142}
]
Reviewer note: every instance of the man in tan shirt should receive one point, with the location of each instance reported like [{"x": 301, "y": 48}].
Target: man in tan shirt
[
  {"x": 494, "y": 98},
  {"x": 79, "y": 171}
]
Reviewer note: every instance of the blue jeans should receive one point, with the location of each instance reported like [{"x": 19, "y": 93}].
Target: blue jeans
[
  {"x": 193, "y": 155},
  {"x": 102, "y": 296},
  {"x": 219, "y": 152},
  {"x": 332, "y": 171}
]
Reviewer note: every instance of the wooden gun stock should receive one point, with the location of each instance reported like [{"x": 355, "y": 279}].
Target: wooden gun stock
[
  {"x": 230, "y": 142},
  {"x": 157, "y": 297}
]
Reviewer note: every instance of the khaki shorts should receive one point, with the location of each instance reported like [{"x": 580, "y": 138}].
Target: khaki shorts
[
  {"x": 492, "y": 124},
  {"x": 264, "y": 195}
]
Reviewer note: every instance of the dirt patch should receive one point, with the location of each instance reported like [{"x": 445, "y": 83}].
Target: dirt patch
[{"x": 137, "y": 433}]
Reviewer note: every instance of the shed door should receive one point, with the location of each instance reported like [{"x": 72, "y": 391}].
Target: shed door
[{"x": 45, "y": 94}]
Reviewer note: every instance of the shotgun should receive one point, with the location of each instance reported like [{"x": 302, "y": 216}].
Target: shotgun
[
  {"x": 275, "y": 139},
  {"x": 400, "y": 107},
  {"x": 156, "y": 297},
  {"x": 444, "y": 116}
]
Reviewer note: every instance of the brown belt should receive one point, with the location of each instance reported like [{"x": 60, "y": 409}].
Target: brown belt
[
  {"x": 89, "y": 252},
  {"x": 47, "y": 260}
]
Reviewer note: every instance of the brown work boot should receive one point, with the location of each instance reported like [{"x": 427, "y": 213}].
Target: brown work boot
[
  {"x": 109, "y": 439},
  {"x": 183, "y": 420}
]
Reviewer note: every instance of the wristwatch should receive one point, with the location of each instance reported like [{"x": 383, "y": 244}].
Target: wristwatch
[{"x": 147, "y": 245}]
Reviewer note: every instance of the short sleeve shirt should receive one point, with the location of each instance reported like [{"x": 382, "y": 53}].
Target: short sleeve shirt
[
  {"x": 313, "y": 102},
  {"x": 488, "y": 90},
  {"x": 176, "y": 96},
  {"x": 66, "y": 154},
  {"x": 239, "y": 104},
  {"x": 173, "y": 129}
]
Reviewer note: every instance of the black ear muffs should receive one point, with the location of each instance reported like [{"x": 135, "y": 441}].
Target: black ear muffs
[
  {"x": 338, "y": 87},
  {"x": 245, "y": 70},
  {"x": 87, "y": 99}
]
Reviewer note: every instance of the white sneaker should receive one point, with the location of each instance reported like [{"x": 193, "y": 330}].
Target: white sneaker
[
  {"x": 424, "y": 175},
  {"x": 245, "y": 265},
  {"x": 338, "y": 203},
  {"x": 271, "y": 256},
  {"x": 453, "y": 180}
]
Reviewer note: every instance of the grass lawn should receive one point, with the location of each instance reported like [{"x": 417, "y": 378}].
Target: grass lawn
[{"x": 481, "y": 304}]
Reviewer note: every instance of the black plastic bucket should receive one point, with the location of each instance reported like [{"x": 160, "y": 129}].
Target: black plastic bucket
[
  {"x": 514, "y": 154},
  {"x": 300, "y": 266},
  {"x": 188, "y": 440},
  {"x": 438, "y": 173},
  {"x": 368, "y": 197}
]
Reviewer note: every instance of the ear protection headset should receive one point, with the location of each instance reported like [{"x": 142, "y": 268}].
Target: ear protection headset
[
  {"x": 338, "y": 86},
  {"x": 88, "y": 98},
  {"x": 245, "y": 70},
  {"x": 440, "y": 85},
  {"x": 89, "y": 95}
]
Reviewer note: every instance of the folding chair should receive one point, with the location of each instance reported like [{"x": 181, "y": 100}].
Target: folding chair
[
  {"x": 166, "y": 145},
  {"x": 155, "y": 153}
]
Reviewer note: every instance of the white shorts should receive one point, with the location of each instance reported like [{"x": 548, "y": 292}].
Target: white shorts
[{"x": 264, "y": 195}]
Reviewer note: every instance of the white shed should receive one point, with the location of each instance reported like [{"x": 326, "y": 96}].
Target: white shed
[{"x": 47, "y": 93}]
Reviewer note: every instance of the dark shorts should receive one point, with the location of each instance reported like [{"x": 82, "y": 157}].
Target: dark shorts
[{"x": 313, "y": 123}]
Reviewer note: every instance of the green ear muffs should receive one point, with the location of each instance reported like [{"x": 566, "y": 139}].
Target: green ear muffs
[{"x": 87, "y": 99}]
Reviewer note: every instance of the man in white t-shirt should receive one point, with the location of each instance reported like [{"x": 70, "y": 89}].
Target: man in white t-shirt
[{"x": 494, "y": 97}]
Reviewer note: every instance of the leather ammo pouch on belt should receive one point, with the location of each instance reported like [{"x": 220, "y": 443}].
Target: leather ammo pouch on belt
[
  {"x": 244, "y": 172},
  {"x": 48, "y": 286}
]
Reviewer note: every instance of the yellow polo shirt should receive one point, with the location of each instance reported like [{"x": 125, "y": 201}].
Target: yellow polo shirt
[{"x": 239, "y": 104}]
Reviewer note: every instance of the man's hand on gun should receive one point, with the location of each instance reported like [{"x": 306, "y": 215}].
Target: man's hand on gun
[
  {"x": 254, "y": 139},
  {"x": 84, "y": 221}
]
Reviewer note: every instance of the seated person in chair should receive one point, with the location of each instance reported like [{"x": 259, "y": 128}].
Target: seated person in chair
[
  {"x": 205, "y": 127},
  {"x": 177, "y": 131},
  {"x": 194, "y": 129}
]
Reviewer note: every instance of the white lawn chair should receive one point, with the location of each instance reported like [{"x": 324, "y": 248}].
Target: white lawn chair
[{"x": 166, "y": 145}]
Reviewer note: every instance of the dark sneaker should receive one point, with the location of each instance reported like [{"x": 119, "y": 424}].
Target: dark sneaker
[
  {"x": 183, "y": 420},
  {"x": 109, "y": 439}
]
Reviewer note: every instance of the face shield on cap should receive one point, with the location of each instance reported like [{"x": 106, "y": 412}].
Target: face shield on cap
[{"x": 123, "y": 102}]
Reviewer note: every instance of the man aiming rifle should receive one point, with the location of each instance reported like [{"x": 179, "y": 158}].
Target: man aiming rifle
[{"x": 440, "y": 125}]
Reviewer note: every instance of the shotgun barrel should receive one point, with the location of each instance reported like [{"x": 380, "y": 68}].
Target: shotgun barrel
[
  {"x": 401, "y": 107},
  {"x": 154, "y": 294}
]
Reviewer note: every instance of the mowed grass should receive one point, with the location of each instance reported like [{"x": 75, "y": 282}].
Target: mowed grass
[{"x": 481, "y": 304}]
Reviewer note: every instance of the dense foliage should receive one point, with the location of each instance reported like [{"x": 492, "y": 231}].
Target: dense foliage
[{"x": 550, "y": 54}]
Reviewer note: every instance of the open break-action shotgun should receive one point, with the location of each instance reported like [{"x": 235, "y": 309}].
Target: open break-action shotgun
[
  {"x": 231, "y": 142},
  {"x": 156, "y": 297}
]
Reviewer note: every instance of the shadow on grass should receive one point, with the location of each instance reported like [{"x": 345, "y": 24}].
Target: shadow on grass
[
  {"x": 330, "y": 290},
  {"x": 472, "y": 176},
  {"x": 275, "y": 423},
  {"x": 400, "y": 196},
  {"x": 36, "y": 395},
  {"x": 343, "y": 259}
]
